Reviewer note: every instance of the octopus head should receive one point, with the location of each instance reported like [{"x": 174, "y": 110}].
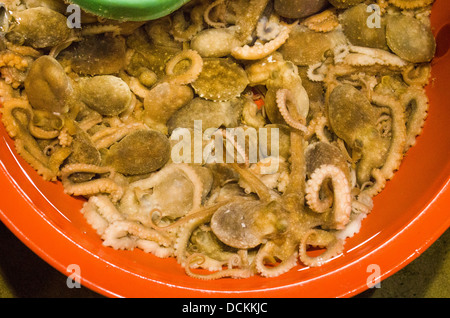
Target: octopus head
[
  {"x": 39, "y": 27},
  {"x": 106, "y": 94},
  {"x": 48, "y": 87},
  {"x": 295, "y": 9},
  {"x": 247, "y": 224},
  {"x": 354, "y": 120},
  {"x": 140, "y": 152}
]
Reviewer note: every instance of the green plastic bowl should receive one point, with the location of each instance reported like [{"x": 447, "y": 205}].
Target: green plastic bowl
[{"x": 130, "y": 10}]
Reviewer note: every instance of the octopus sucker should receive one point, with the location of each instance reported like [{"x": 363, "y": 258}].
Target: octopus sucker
[{"x": 241, "y": 138}]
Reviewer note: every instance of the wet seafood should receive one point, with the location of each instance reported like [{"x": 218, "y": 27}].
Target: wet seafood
[
  {"x": 298, "y": 8},
  {"x": 119, "y": 112}
]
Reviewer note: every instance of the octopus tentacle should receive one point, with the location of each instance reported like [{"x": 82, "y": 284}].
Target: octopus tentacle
[
  {"x": 40, "y": 133},
  {"x": 267, "y": 252},
  {"x": 207, "y": 12},
  {"x": 181, "y": 32},
  {"x": 411, "y": 4},
  {"x": 130, "y": 206},
  {"x": 333, "y": 249},
  {"x": 107, "y": 136},
  {"x": 107, "y": 184},
  {"x": 190, "y": 75},
  {"x": 184, "y": 235},
  {"x": 99, "y": 212},
  {"x": 325, "y": 21},
  {"x": 398, "y": 143},
  {"x": 123, "y": 234},
  {"x": 342, "y": 203},
  {"x": 363, "y": 56},
  {"x": 259, "y": 51},
  {"x": 30, "y": 151},
  {"x": 415, "y": 98},
  {"x": 15, "y": 60},
  {"x": 417, "y": 75},
  {"x": 268, "y": 29},
  {"x": 255, "y": 183},
  {"x": 316, "y": 72},
  {"x": 282, "y": 97},
  {"x": 154, "y": 248},
  {"x": 17, "y": 116},
  {"x": 199, "y": 259},
  {"x": 200, "y": 213},
  {"x": 316, "y": 128}
]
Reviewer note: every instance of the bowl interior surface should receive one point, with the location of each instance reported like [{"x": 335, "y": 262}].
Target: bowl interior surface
[{"x": 409, "y": 214}]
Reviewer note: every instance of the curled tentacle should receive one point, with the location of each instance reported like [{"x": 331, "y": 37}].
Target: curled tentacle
[
  {"x": 342, "y": 202},
  {"x": 333, "y": 249},
  {"x": 182, "y": 30},
  {"x": 17, "y": 118},
  {"x": 417, "y": 75},
  {"x": 125, "y": 235},
  {"x": 108, "y": 184},
  {"x": 415, "y": 102},
  {"x": 143, "y": 196},
  {"x": 184, "y": 235},
  {"x": 259, "y": 51},
  {"x": 398, "y": 143},
  {"x": 283, "y": 97},
  {"x": 99, "y": 212},
  {"x": 267, "y": 30},
  {"x": 266, "y": 253},
  {"x": 199, "y": 259},
  {"x": 207, "y": 14},
  {"x": 191, "y": 74},
  {"x": 325, "y": 21},
  {"x": 364, "y": 56}
]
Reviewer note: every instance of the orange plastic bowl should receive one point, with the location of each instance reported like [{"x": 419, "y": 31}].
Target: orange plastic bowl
[{"x": 409, "y": 215}]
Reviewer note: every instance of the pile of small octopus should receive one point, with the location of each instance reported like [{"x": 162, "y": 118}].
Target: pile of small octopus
[{"x": 95, "y": 108}]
